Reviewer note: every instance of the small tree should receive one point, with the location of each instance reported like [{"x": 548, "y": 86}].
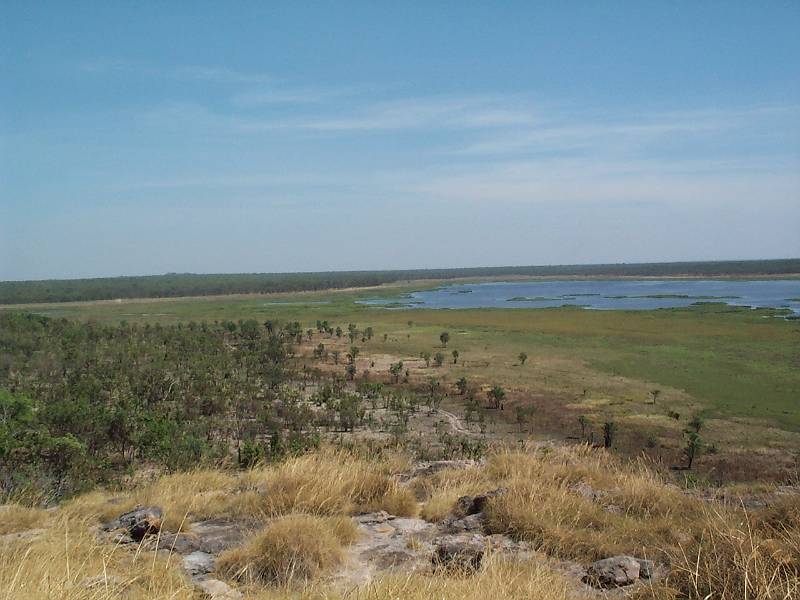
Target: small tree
[
  {"x": 584, "y": 423},
  {"x": 497, "y": 395},
  {"x": 609, "y": 431},
  {"x": 426, "y": 356},
  {"x": 444, "y": 337},
  {"x": 368, "y": 333},
  {"x": 654, "y": 394},
  {"x": 523, "y": 413},
  {"x": 350, "y": 370},
  {"x": 455, "y": 356},
  {"x": 461, "y": 384},
  {"x": 438, "y": 359},
  {"x": 339, "y": 332},
  {"x": 395, "y": 370},
  {"x": 351, "y": 356},
  {"x": 522, "y": 358},
  {"x": 693, "y": 448},
  {"x": 335, "y": 355},
  {"x": 696, "y": 424}
]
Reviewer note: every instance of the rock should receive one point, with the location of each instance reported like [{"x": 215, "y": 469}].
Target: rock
[
  {"x": 469, "y": 505},
  {"x": 426, "y": 469},
  {"x": 463, "y": 552},
  {"x": 583, "y": 489},
  {"x": 182, "y": 542},
  {"x": 469, "y": 524},
  {"x": 616, "y": 571},
  {"x": 141, "y": 521},
  {"x": 647, "y": 568},
  {"x": 198, "y": 563},
  {"x": 215, "y": 535},
  {"x": 218, "y": 590}
]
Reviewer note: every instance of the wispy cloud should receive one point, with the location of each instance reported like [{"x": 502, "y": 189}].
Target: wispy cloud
[{"x": 205, "y": 73}]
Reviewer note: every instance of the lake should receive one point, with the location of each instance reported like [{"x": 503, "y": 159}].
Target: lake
[{"x": 604, "y": 294}]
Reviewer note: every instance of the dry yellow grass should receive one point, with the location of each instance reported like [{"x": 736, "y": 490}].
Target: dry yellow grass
[
  {"x": 571, "y": 502},
  {"x": 14, "y": 517},
  {"x": 325, "y": 483},
  {"x": 69, "y": 563},
  {"x": 510, "y": 580},
  {"x": 290, "y": 548}
]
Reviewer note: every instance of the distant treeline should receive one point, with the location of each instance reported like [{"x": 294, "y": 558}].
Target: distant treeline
[{"x": 174, "y": 285}]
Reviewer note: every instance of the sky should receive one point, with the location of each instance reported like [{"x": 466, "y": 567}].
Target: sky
[{"x": 209, "y": 137}]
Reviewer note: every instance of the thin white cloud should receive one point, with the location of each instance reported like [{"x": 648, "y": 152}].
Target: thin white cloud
[{"x": 206, "y": 73}]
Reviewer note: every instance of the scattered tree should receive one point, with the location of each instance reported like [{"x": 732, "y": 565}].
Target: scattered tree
[
  {"x": 584, "y": 422},
  {"x": 455, "y": 355},
  {"x": 522, "y": 358},
  {"x": 609, "y": 431},
  {"x": 444, "y": 337},
  {"x": 497, "y": 395}
]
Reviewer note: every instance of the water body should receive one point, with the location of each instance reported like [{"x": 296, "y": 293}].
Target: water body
[{"x": 605, "y": 294}]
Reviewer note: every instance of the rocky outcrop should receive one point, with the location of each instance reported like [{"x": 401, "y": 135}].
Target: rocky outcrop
[
  {"x": 461, "y": 552},
  {"x": 137, "y": 523},
  {"x": 472, "y": 505},
  {"x": 617, "y": 571}
]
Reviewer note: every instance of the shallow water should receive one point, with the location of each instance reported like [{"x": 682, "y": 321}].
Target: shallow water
[{"x": 605, "y": 294}]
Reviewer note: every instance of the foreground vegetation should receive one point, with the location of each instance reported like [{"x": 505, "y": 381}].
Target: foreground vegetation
[
  {"x": 298, "y": 512},
  {"x": 174, "y": 285}
]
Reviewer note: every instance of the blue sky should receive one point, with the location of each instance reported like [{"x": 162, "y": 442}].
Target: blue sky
[{"x": 140, "y": 138}]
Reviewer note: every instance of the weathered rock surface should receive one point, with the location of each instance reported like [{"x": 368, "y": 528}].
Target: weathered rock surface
[
  {"x": 141, "y": 521},
  {"x": 198, "y": 563},
  {"x": 471, "y": 505},
  {"x": 462, "y": 552},
  {"x": 616, "y": 571},
  {"x": 217, "y": 590}
]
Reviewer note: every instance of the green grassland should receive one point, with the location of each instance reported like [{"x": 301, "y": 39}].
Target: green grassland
[{"x": 739, "y": 368}]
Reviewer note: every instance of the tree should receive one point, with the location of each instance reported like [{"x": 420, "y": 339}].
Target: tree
[
  {"x": 339, "y": 332},
  {"x": 368, "y": 333},
  {"x": 351, "y": 356},
  {"x": 696, "y": 424},
  {"x": 654, "y": 394},
  {"x": 497, "y": 395},
  {"x": 350, "y": 370},
  {"x": 609, "y": 431},
  {"x": 522, "y": 358},
  {"x": 461, "y": 384},
  {"x": 523, "y": 413},
  {"x": 584, "y": 423},
  {"x": 438, "y": 359},
  {"x": 455, "y": 356},
  {"x": 395, "y": 370},
  {"x": 444, "y": 337},
  {"x": 694, "y": 446},
  {"x": 336, "y": 355},
  {"x": 426, "y": 356}
]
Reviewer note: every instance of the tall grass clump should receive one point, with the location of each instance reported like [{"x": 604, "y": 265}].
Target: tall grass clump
[
  {"x": 293, "y": 548},
  {"x": 68, "y": 562},
  {"x": 333, "y": 483},
  {"x": 734, "y": 556}
]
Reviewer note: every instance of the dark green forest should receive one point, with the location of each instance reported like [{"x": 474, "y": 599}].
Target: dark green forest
[{"x": 188, "y": 284}]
